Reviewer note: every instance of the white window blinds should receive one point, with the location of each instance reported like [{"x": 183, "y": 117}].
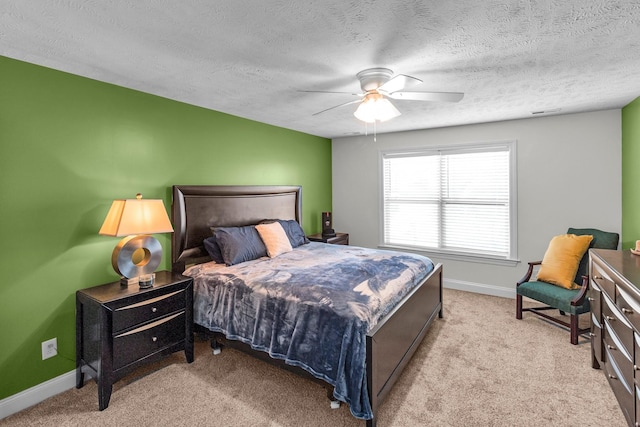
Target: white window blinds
[{"x": 458, "y": 200}]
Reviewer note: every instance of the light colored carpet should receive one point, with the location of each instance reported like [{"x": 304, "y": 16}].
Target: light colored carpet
[{"x": 477, "y": 366}]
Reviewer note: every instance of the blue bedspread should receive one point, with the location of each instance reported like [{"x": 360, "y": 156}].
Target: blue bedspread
[{"x": 311, "y": 307}]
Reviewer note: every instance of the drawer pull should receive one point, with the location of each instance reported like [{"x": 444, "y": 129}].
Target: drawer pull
[
  {"x": 597, "y": 277},
  {"x": 154, "y": 339},
  {"x": 591, "y": 299},
  {"x": 610, "y": 347},
  {"x": 613, "y": 377},
  {"x": 610, "y": 318},
  {"x": 627, "y": 311},
  {"x": 592, "y": 335},
  {"x": 635, "y": 367},
  {"x": 153, "y": 309}
]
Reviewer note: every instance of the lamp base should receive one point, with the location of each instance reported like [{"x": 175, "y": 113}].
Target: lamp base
[
  {"x": 135, "y": 258},
  {"x": 125, "y": 281}
]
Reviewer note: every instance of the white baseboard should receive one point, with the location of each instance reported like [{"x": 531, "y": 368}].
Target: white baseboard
[
  {"x": 37, "y": 394},
  {"x": 479, "y": 288}
]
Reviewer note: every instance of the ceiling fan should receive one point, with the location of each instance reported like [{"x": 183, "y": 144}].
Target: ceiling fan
[{"x": 378, "y": 85}]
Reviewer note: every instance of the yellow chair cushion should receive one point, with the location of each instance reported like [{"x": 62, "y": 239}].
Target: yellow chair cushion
[{"x": 561, "y": 260}]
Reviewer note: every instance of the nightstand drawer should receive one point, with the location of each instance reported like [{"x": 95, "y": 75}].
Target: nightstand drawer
[
  {"x": 342, "y": 239},
  {"x": 134, "y": 314},
  {"x": 338, "y": 239},
  {"x": 146, "y": 340}
]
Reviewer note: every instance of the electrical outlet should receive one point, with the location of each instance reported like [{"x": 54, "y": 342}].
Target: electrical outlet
[{"x": 49, "y": 348}]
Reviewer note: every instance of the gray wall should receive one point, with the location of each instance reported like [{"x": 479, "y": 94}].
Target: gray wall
[{"x": 568, "y": 176}]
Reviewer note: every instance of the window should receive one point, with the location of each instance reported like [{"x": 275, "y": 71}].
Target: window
[{"x": 458, "y": 201}]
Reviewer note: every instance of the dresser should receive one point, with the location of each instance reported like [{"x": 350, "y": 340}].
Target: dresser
[
  {"x": 119, "y": 328},
  {"x": 614, "y": 295}
]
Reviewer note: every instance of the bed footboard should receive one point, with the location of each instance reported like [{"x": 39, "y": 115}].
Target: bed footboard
[{"x": 396, "y": 337}]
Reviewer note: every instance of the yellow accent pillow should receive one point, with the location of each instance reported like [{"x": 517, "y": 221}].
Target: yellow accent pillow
[
  {"x": 560, "y": 262},
  {"x": 274, "y": 238}
]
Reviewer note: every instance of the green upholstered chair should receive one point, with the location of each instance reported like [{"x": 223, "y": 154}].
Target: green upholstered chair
[{"x": 567, "y": 301}]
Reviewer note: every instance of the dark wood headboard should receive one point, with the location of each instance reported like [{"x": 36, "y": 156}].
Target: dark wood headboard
[{"x": 197, "y": 208}]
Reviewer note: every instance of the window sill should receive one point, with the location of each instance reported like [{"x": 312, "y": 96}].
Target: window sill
[{"x": 482, "y": 259}]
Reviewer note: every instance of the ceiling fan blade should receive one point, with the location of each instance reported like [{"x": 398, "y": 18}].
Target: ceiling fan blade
[
  {"x": 399, "y": 82},
  {"x": 428, "y": 96},
  {"x": 337, "y": 106},
  {"x": 330, "y": 91}
]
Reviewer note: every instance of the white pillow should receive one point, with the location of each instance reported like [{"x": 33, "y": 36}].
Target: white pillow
[{"x": 274, "y": 238}]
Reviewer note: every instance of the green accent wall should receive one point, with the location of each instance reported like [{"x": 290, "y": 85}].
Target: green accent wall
[
  {"x": 630, "y": 174},
  {"x": 70, "y": 145}
]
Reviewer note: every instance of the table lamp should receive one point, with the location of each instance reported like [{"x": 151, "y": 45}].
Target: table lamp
[{"x": 138, "y": 255}]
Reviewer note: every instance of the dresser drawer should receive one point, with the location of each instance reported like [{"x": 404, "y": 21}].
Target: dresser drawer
[
  {"x": 623, "y": 391},
  {"x": 130, "y": 346},
  {"x": 637, "y": 393},
  {"x": 628, "y": 305},
  {"x": 618, "y": 355},
  {"x": 603, "y": 279},
  {"x": 621, "y": 330},
  {"x": 594, "y": 294},
  {"x": 636, "y": 359},
  {"x": 596, "y": 338},
  {"x": 154, "y": 308}
]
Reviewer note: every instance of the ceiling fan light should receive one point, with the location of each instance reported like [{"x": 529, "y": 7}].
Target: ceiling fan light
[{"x": 375, "y": 107}]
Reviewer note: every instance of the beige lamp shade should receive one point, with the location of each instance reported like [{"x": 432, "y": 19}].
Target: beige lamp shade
[
  {"x": 136, "y": 216},
  {"x": 137, "y": 255}
]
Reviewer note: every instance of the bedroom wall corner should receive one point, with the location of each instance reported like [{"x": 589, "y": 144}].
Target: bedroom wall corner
[{"x": 70, "y": 146}]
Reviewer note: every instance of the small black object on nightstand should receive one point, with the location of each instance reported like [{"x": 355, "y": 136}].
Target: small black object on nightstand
[
  {"x": 327, "y": 224},
  {"x": 119, "y": 328}
]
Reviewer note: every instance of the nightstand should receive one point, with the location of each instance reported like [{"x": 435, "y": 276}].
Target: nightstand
[
  {"x": 339, "y": 239},
  {"x": 119, "y": 328}
]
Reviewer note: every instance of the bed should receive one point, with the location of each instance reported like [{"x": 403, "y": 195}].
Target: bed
[{"x": 388, "y": 339}]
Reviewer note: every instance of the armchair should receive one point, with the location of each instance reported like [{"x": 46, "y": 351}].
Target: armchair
[{"x": 571, "y": 301}]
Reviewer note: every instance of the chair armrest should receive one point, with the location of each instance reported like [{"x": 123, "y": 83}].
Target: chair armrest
[
  {"x": 529, "y": 273},
  {"x": 579, "y": 299}
]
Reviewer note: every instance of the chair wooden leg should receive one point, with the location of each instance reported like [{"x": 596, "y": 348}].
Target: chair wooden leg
[
  {"x": 574, "y": 329},
  {"x": 518, "y": 306}
]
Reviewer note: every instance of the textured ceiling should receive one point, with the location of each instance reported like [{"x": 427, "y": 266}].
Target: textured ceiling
[{"x": 253, "y": 58}]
